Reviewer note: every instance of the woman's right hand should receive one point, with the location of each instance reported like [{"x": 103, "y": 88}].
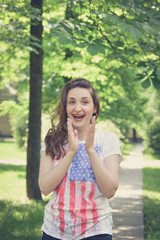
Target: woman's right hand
[{"x": 72, "y": 137}]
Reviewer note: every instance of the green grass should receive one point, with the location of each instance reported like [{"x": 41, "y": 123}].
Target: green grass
[
  {"x": 21, "y": 221},
  {"x": 126, "y": 148},
  {"x": 20, "y": 218},
  {"x": 148, "y": 155},
  {"x": 151, "y": 198},
  {"x": 13, "y": 183},
  {"x": 10, "y": 151}
]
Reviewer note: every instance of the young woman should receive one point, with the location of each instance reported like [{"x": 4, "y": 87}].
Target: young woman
[{"x": 80, "y": 165}]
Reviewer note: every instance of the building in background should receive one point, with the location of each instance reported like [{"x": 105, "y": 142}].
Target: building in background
[{"x": 5, "y": 128}]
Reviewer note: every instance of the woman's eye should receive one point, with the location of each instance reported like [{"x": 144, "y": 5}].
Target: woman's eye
[
  {"x": 85, "y": 102},
  {"x": 71, "y": 102}
]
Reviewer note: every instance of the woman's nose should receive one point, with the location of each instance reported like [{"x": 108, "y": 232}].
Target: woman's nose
[{"x": 77, "y": 107}]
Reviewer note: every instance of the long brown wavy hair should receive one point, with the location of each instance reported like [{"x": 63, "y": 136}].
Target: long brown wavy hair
[{"x": 57, "y": 136}]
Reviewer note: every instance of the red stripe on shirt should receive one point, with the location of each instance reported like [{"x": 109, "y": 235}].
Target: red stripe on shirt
[
  {"x": 83, "y": 208},
  {"x": 52, "y": 206},
  {"x": 61, "y": 204},
  {"x": 72, "y": 204},
  {"x": 57, "y": 192},
  {"x": 94, "y": 205}
]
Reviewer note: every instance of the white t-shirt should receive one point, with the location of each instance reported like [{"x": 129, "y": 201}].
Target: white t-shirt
[{"x": 77, "y": 208}]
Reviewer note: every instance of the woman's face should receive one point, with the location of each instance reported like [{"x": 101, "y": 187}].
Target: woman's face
[{"x": 80, "y": 107}]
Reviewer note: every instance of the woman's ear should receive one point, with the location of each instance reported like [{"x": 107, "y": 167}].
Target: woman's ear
[{"x": 94, "y": 115}]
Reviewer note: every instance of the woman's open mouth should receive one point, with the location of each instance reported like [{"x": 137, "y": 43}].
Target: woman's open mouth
[{"x": 78, "y": 117}]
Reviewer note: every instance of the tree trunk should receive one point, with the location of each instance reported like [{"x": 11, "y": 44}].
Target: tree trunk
[
  {"x": 68, "y": 52},
  {"x": 34, "y": 137},
  {"x": 134, "y": 135}
]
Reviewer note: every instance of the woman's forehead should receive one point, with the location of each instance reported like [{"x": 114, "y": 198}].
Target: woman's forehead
[{"x": 79, "y": 92}]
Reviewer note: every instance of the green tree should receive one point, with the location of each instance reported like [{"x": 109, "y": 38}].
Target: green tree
[
  {"x": 15, "y": 37},
  {"x": 152, "y": 123},
  {"x": 14, "y": 64},
  {"x": 114, "y": 44},
  {"x": 127, "y": 32}
]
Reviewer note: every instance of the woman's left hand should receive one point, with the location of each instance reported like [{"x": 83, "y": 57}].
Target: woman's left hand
[{"x": 89, "y": 144}]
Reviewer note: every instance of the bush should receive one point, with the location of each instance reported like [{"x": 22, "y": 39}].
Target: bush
[
  {"x": 18, "y": 116},
  {"x": 153, "y": 134},
  {"x": 19, "y": 124}
]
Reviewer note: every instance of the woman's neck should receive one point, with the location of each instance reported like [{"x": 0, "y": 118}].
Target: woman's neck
[{"x": 82, "y": 134}]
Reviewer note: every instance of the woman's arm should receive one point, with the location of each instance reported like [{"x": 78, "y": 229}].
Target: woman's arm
[
  {"x": 107, "y": 173},
  {"x": 49, "y": 177}
]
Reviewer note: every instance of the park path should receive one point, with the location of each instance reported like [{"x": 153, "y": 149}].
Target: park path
[
  {"x": 12, "y": 162},
  {"x": 127, "y": 204}
]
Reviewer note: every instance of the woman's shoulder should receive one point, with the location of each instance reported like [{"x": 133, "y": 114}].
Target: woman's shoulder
[
  {"x": 100, "y": 133},
  {"x": 105, "y": 138}
]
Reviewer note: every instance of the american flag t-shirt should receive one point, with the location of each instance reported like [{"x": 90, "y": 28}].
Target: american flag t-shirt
[
  {"x": 81, "y": 169},
  {"x": 77, "y": 208}
]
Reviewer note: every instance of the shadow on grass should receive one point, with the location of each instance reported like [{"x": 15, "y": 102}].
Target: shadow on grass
[
  {"x": 20, "y": 170},
  {"x": 8, "y": 167},
  {"x": 151, "y": 201},
  {"x": 21, "y": 221},
  {"x": 151, "y": 218}
]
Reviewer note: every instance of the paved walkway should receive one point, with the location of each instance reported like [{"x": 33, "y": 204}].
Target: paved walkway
[
  {"x": 12, "y": 162},
  {"x": 128, "y": 203}
]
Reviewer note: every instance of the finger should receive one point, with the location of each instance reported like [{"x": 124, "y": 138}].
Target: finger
[
  {"x": 92, "y": 125},
  {"x": 76, "y": 133},
  {"x": 69, "y": 120},
  {"x": 93, "y": 120},
  {"x": 69, "y": 126},
  {"x": 69, "y": 123}
]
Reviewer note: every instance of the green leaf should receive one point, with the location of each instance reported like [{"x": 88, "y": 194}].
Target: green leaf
[
  {"x": 98, "y": 41},
  {"x": 109, "y": 17},
  {"x": 141, "y": 64},
  {"x": 66, "y": 27},
  {"x": 136, "y": 34},
  {"x": 149, "y": 29},
  {"x": 156, "y": 83},
  {"x": 94, "y": 49},
  {"x": 90, "y": 38},
  {"x": 119, "y": 44},
  {"x": 156, "y": 20},
  {"x": 33, "y": 38},
  {"x": 146, "y": 83},
  {"x": 82, "y": 45},
  {"x": 158, "y": 72},
  {"x": 56, "y": 34},
  {"x": 125, "y": 27},
  {"x": 63, "y": 40},
  {"x": 139, "y": 77}
]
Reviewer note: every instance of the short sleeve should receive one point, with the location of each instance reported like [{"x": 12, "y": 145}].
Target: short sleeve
[{"x": 111, "y": 145}]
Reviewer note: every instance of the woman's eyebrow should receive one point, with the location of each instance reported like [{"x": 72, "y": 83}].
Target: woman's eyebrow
[
  {"x": 84, "y": 97},
  {"x": 75, "y": 98}
]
